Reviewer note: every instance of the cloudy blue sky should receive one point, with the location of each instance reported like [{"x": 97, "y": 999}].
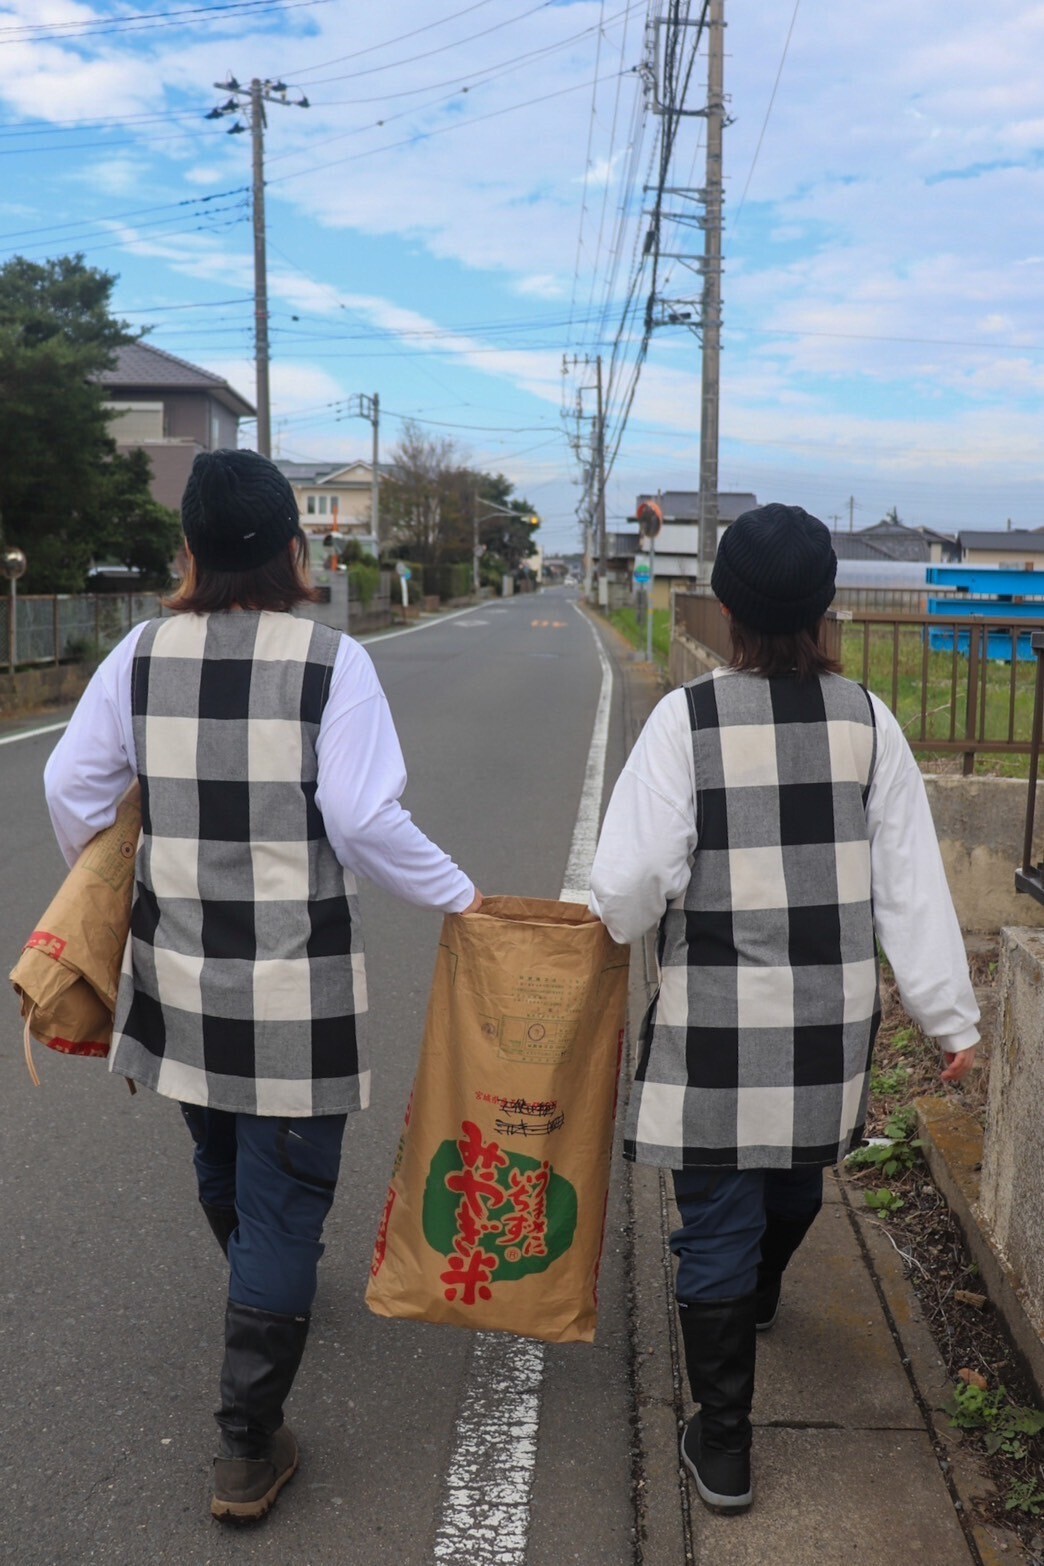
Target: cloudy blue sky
[{"x": 461, "y": 206}]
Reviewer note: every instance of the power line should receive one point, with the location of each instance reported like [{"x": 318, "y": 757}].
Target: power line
[
  {"x": 118, "y": 217},
  {"x": 147, "y": 21},
  {"x": 764, "y": 124},
  {"x": 459, "y": 85},
  {"x": 587, "y": 163},
  {"x": 374, "y": 70},
  {"x": 424, "y": 136},
  {"x": 399, "y": 38}
]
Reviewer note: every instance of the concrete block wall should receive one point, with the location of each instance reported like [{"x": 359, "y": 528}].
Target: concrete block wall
[
  {"x": 980, "y": 824},
  {"x": 1011, "y": 1188},
  {"x": 52, "y": 685}
]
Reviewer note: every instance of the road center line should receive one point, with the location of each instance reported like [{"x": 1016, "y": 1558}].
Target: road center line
[{"x": 485, "y": 1511}]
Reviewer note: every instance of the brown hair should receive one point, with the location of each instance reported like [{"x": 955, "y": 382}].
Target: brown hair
[
  {"x": 797, "y": 653},
  {"x": 279, "y": 584}
]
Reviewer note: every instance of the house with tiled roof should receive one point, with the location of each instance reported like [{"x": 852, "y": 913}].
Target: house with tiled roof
[
  {"x": 172, "y": 410},
  {"x": 1011, "y": 547},
  {"x": 335, "y": 499}
]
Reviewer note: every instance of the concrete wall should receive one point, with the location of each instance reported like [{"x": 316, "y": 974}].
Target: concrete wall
[
  {"x": 34, "y": 688},
  {"x": 688, "y": 659},
  {"x": 1011, "y": 1190},
  {"x": 980, "y": 823}
]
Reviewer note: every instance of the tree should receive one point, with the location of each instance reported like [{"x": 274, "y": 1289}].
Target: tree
[
  {"x": 420, "y": 501},
  {"x": 892, "y": 517},
  {"x": 65, "y": 496},
  {"x": 434, "y": 499},
  {"x": 130, "y": 527}
]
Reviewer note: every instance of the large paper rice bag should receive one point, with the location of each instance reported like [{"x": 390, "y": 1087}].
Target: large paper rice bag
[
  {"x": 69, "y": 971},
  {"x": 496, "y": 1210}
]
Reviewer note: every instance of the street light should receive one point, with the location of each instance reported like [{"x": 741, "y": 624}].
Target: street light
[
  {"x": 493, "y": 509},
  {"x": 12, "y": 565}
]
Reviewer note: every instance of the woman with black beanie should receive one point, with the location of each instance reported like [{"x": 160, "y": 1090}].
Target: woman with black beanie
[
  {"x": 270, "y": 778},
  {"x": 772, "y": 822}
]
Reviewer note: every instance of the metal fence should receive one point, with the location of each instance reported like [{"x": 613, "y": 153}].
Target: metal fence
[
  {"x": 961, "y": 686},
  {"x": 50, "y": 628}
]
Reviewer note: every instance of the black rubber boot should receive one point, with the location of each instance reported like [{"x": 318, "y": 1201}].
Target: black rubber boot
[
  {"x": 224, "y": 1221},
  {"x": 257, "y": 1453},
  {"x": 720, "y": 1346},
  {"x": 779, "y": 1242}
]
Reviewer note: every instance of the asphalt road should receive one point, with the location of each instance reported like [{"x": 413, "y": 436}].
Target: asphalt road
[{"x": 112, "y": 1289}]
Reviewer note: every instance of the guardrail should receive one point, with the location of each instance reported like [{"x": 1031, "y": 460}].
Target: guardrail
[{"x": 960, "y": 685}]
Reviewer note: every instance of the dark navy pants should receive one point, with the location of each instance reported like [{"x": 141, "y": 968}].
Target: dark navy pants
[
  {"x": 280, "y": 1176},
  {"x": 724, "y": 1213}
]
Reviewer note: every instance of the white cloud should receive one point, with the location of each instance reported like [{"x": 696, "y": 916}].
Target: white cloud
[
  {"x": 882, "y": 298},
  {"x": 116, "y": 176},
  {"x": 540, "y": 285}
]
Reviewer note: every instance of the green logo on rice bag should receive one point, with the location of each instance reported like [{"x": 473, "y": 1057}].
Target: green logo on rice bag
[{"x": 495, "y": 1215}]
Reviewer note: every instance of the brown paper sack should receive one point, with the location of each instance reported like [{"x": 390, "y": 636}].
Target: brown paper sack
[
  {"x": 496, "y": 1209},
  {"x": 69, "y": 970}
]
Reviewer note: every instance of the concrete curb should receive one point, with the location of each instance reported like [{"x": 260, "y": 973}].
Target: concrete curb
[{"x": 953, "y": 1151}]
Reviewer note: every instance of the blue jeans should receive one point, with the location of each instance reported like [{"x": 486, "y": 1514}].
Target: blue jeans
[
  {"x": 724, "y": 1213},
  {"x": 280, "y": 1176}
]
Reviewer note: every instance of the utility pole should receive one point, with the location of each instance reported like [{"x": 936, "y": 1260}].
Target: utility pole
[
  {"x": 599, "y": 455},
  {"x": 711, "y": 306},
  {"x": 595, "y": 537},
  {"x": 362, "y": 406},
  {"x": 675, "y": 38},
  {"x": 252, "y": 99},
  {"x": 851, "y": 513},
  {"x": 375, "y": 482}
]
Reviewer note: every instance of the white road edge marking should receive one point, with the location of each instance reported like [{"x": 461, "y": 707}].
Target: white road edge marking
[
  {"x": 485, "y": 1511},
  {"x": 51, "y": 728},
  {"x": 364, "y": 641},
  {"x": 423, "y": 625}
]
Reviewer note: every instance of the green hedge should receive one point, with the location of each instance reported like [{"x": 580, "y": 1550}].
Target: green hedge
[
  {"x": 448, "y": 581},
  {"x": 363, "y": 582}
]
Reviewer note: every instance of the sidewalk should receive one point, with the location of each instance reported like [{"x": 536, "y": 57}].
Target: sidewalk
[{"x": 853, "y": 1463}]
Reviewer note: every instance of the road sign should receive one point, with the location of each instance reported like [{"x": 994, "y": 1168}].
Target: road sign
[
  {"x": 641, "y": 573},
  {"x": 403, "y": 570}
]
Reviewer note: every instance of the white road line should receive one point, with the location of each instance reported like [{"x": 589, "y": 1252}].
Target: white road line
[
  {"x": 485, "y": 1512},
  {"x": 51, "y": 728},
  {"x": 585, "y": 832},
  {"x": 387, "y": 636},
  {"x": 424, "y": 625}
]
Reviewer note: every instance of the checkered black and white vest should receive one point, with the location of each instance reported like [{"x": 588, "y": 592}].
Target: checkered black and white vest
[
  {"x": 757, "y": 1048},
  {"x": 243, "y": 982}
]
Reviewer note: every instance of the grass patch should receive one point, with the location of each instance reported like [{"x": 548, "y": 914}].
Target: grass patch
[
  {"x": 870, "y": 662},
  {"x": 626, "y": 622}
]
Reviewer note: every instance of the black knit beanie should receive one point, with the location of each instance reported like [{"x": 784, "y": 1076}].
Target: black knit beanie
[
  {"x": 775, "y": 569},
  {"x": 238, "y": 511}
]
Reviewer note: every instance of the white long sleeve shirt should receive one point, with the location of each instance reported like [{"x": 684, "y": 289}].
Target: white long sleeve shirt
[
  {"x": 361, "y": 778},
  {"x": 648, "y": 838}
]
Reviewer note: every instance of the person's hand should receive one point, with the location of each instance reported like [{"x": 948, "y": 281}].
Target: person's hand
[
  {"x": 958, "y": 1065},
  {"x": 475, "y": 904}
]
